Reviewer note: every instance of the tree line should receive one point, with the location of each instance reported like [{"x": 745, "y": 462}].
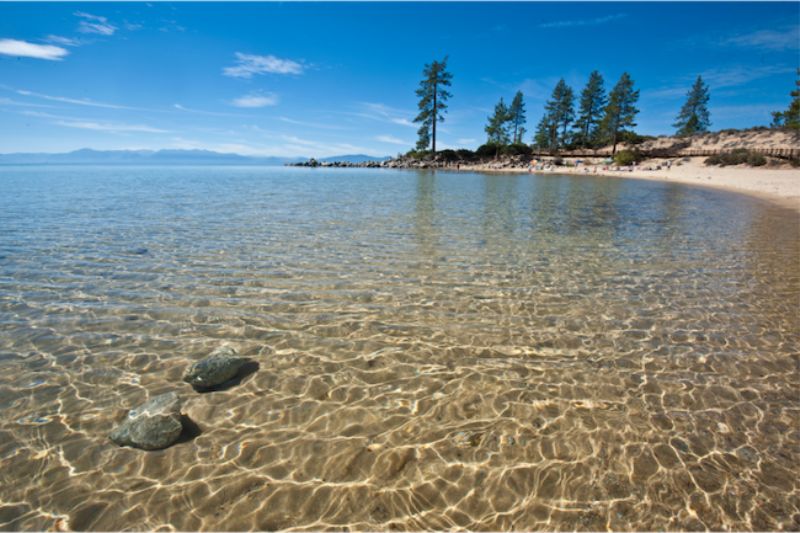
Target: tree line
[{"x": 600, "y": 120}]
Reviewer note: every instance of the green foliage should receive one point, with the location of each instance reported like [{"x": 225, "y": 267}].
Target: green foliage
[
  {"x": 631, "y": 137},
  {"x": 620, "y": 112},
  {"x": 694, "y": 117},
  {"x": 432, "y": 102},
  {"x": 593, "y": 100},
  {"x": 737, "y": 157},
  {"x": 419, "y": 154},
  {"x": 447, "y": 155},
  {"x": 546, "y": 137},
  {"x": 465, "y": 155},
  {"x": 516, "y": 116},
  {"x": 517, "y": 149},
  {"x": 628, "y": 157},
  {"x": 488, "y": 150},
  {"x": 560, "y": 110},
  {"x": 791, "y": 117},
  {"x": 497, "y": 127}
]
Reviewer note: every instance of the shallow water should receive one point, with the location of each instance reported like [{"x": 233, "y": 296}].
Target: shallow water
[{"x": 435, "y": 351}]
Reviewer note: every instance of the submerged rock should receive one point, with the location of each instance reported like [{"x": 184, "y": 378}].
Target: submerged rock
[
  {"x": 153, "y": 425},
  {"x": 219, "y": 367}
]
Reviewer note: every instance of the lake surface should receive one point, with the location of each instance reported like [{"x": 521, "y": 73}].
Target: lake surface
[{"x": 435, "y": 351}]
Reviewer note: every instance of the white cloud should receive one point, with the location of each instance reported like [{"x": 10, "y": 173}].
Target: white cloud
[
  {"x": 256, "y": 100},
  {"x": 63, "y": 41},
  {"x": 13, "y": 47},
  {"x": 318, "y": 125},
  {"x": 94, "y": 24},
  {"x": 112, "y": 127},
  {"x": 732, "y": 77},
  {"x": 91, "y": 124},
  {"x": 466, "y": 142},
  {"x": 76, "y": 101},
  {"x": 185, "y": 109},
  {"x": 788, "y": 39},
  {"x": 389, "y": 139},
  {"x": 583, "y": 22},
  {"x": 248, "y": 65},
  {"x": 385, "y": 113}
]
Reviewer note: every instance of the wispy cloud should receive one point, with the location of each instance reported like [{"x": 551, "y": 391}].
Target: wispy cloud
[
  {"x": 784, "y": 39},
  {"x": 63, "y": 41},
  {"x": 732, "y": 77},
  {"x": 248, "y": 65},
  {"x": 185, "y": 109},
  {"x": 390, "y": 139},
  {"x": 718, "y": 78},
  {"x": 583, "y": 22},
  {"x": 92, "y": 124},
  {"x": 111, "y": 127},
  {"x": 254, "y": 100},
  {"x": 94, "y": 24},
  {"x": 13, "y": 47},
  {"x": 384, "y": 113},
  {"x": 310, "y": 124},
  {"x": 15, "y": 103},
  {"x": 76, "y": 101}
]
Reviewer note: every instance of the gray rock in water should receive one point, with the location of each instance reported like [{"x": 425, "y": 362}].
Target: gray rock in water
[
  {"x": 216, "y": 369},
  {"x": 153, "y": 425}
]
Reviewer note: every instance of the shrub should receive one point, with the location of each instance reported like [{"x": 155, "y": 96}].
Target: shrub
[
  {"x": 754, "y": 159},
  {"x": 488, "y": 150},
  {"x": 517, "y": 149},
  {"x": 446, "y": 155},
  {"x": 628, "y": 157},
  {"x": 558, "y": 161},
  {"x": 464, "y": 154},
  {"x": 418, "y": 154},
  {"x": 737, "y": 157}
]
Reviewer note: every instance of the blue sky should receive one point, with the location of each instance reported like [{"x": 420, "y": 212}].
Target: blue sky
[{"x": 322, "y": 79}]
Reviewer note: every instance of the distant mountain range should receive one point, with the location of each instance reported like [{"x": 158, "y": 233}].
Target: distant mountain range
[{"x": 88, "y": 156}]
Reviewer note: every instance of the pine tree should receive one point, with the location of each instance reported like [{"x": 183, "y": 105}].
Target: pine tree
[
  {"x": 791, "y": 117},
  {"x": 560, "y": 111},
  {"x": 546, "y": 137},
  {"x": 497, "y": 127},
  {"x": 432, "y": 102},
  {"x": 517, "y": 118},
  {"x": 593, "y": 100},
  {"x": 693, "y": 117},
  {"x": 620, "y": 112}
]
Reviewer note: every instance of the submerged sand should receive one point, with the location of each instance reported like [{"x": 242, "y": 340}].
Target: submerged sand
[{"x": 778, "y": 185}]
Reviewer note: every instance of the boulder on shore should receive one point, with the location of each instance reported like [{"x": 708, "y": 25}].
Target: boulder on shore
[
  {"x": 153, "y": 425},
  {"x": 222, "y": 365}
]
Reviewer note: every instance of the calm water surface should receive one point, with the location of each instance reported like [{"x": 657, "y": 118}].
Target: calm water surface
[{"x": 436, "y": 351}]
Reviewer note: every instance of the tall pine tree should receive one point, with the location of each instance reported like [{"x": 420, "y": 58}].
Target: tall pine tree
[
  {"x": 694, "y": 117},
  {"x": 517, "y": 118},
  {"x": 432, "y": 105},
  {"x": 497, "y": 127},
  {"x": 546, "y": 136},
  {"x": 561, "y": 110},
  {"x": 593, "y": 100},
  {"x": 620, "y": 112},
  {"x": 791, "y": 117}
]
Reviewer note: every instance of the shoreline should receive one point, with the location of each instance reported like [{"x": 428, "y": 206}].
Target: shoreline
[{"x": 778, "y": 186}]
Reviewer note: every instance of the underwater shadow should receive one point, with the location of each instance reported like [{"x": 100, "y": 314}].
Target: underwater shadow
[{"x": 190, "y": 430}]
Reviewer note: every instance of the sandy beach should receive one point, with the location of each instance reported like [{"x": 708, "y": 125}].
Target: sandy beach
[{"x": 778, "y": 185}]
